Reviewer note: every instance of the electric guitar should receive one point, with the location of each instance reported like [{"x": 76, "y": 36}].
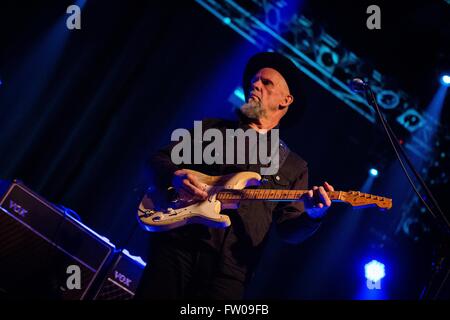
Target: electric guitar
[{"x": 158, "y": 213}]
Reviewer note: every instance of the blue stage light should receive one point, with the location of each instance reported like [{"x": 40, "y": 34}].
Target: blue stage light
[
  {"x": 240, "y": 94},
  {"x": 373, "y": 172},
  {"x": 374, "y": 271},
  {"x": 445, "y": 80}
]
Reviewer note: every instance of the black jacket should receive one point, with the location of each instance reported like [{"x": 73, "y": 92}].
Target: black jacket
[{"x": 242, "y": 242}]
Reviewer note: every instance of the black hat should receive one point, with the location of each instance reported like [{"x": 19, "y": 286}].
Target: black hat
[{"x": 294, "y": 78}]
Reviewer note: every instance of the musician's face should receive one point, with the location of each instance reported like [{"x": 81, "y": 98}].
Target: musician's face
[{"x": 270, "y": 88}]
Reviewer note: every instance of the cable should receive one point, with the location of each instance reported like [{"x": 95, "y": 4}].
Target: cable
[
  {"x": 435, "y": 203},
  {"x": 440, "y": 264},
  {"x": 394, "y": 142}
]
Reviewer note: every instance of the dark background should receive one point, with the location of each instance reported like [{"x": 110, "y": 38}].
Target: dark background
[{"x": 81, "y": 111}]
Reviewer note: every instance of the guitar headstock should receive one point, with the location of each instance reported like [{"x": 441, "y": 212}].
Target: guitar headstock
[{"x": 364, "y": 200}]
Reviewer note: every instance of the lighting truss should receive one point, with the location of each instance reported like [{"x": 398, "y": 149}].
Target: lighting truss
[{"x": 319, "y": 56}]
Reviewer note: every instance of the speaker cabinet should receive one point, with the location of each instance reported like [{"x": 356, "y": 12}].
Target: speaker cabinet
[
  {"x": 122, "y": 279},
  {"x": 44, "y": 253}
]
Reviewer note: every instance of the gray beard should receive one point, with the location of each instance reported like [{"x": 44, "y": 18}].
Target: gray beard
[{"x": 253, "y": 110}]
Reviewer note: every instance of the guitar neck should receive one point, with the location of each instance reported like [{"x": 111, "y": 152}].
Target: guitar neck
[
  {"x": 271, "y": 195},
  {"x": 354, "y": 198}
]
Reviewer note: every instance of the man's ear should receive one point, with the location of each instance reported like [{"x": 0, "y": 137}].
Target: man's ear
[{"x": 287, "y": 101}]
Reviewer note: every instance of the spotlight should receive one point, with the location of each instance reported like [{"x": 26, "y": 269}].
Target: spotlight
[
  {"x": 373, "y": 172},
  {"x": 236, "y": 98},
  {"x": 327, "y": 58},
  {"x": 411, "y": 120},
  {"x": 374, "y": 271},
  {"x": 445, "y": 80},
  {"x": 388, "y": 99},
  {"x": 239, "y": 93},
  {"x": 414, "y": 228}
]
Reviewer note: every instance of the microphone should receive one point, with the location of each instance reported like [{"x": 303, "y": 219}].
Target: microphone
[{"x": 357, "y": 85}]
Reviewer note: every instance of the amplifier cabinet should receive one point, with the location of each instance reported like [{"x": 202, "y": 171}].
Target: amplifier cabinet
[
  {"x": 44, "y": 253},
  {"x": 122, "y": 279}
]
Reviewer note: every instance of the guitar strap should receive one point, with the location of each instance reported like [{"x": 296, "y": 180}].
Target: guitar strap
[{"x": 284, "y": 153}]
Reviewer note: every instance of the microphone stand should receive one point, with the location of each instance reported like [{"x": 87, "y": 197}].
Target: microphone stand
[{"x": 440, "y": 268}]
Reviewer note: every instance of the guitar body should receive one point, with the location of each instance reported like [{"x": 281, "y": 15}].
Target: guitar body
[{"x": 157, "y": 213}]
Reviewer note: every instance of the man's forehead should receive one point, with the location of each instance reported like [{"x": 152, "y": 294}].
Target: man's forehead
[
  {"x": 273, "y": 75},
  {"x": 270, "y": 72}
]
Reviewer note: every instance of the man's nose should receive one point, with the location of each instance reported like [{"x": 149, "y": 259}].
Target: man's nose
[{"x": 256, "y": 84}]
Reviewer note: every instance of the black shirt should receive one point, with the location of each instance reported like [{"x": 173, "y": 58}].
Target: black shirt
[{"x": 242, "y": 242}]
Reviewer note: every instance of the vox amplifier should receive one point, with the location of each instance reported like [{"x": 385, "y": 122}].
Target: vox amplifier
[
  {"x": 44, "y": 252},
  {"x": 122, "y": 278}
]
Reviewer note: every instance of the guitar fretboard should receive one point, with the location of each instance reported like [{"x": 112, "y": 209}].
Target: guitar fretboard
[{"x": 270, "y": 194}]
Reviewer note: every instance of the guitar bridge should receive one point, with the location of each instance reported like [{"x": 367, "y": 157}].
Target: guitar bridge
[{"x": 147, "y": 213}]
